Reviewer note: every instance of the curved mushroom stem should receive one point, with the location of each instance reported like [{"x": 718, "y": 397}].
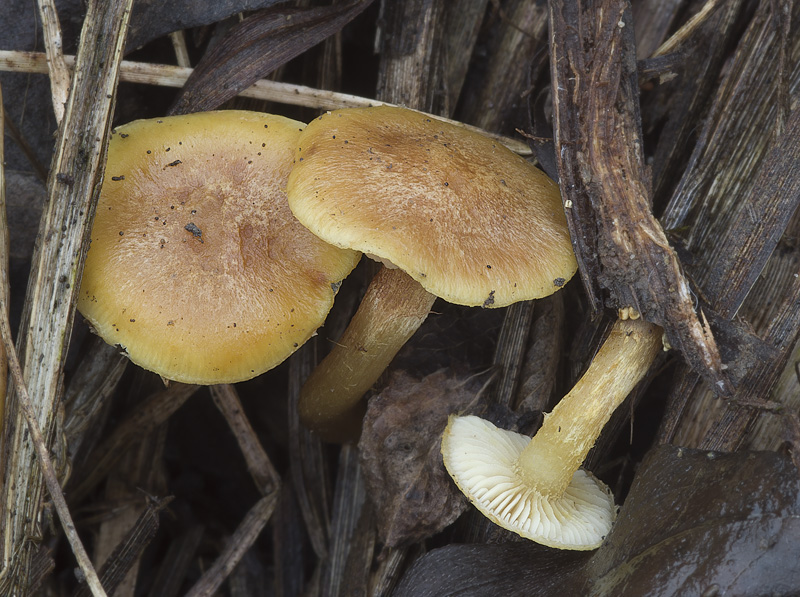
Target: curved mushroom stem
[
  {"x": 559, "y": 448},
  {"x": 393, "y": 308}
]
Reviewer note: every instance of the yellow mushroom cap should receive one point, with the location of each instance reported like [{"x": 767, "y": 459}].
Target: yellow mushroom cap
[
  {"x": 197, "y": 267},
  {"x": 482, "y": 461},
  {"x": 471, "y": 221}
]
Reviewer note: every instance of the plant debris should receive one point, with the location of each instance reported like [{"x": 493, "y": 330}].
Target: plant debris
[
  {"x": 693, "y": 521},
  {"x": 400, "y": 451},
  {"x": 671, "y": 130}
]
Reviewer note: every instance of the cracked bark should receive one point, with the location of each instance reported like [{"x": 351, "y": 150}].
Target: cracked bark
[{"x": 623, "y": 254}]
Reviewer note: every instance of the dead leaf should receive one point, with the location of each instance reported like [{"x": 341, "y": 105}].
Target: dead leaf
[
  {"x": 413, "y": 495},
  {"x": 151, "y": 19},
  {"x": 257, "y": 46},
  {"x": 508, "y": 569}
]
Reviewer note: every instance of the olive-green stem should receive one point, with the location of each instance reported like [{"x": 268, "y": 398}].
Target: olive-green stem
[
  {"x": 391, "y": 311},
  {"x": 559, "y": 448}
]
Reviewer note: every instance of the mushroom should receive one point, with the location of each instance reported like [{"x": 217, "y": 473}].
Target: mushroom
[
  {"x": 535, "y": 487},
  {"x": 451, "y": 214},
  {"x": 196, "y": 267}
]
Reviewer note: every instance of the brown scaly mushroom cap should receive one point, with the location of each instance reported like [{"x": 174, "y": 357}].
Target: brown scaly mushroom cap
[
  {"x": 472, "y": 222},
  {"x": 465, "y": 218},
  {"x": 196, "y": 267},
  {"x": 534, "y": 486}
]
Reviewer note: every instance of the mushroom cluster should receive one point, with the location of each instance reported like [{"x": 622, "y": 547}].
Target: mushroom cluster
[
  {"x": 196, "y": 267},
  {"x": 220, "y": 240}
]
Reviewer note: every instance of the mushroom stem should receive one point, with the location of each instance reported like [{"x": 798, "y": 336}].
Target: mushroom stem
[
  {"x": 559, "y": 448},
  {"x": 393, "y": 308}
]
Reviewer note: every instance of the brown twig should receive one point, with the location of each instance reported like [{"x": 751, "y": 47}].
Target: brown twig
[
  {"x": 681, "y": 35},
  {"x": 56, "y": 265},
  {"x": 48, "y": 472},
  {"x": 308, "y": 469},
  {"x": 147, "y": 416},
  {"x": 178, "y": 40},
  {"x": 348, "y": 502},
  {"x": 89, "y": 392},
  {"x": 5, "y": 291},
  {"x": 736, "y": 219},
  {"x": 59, "y": 73},
  {"x": 241, "y": 540},
  {"x": 285, "y": 93},
  {"x": 258, "y": 463},
  {"x": 128, "y": 551},
  {"x": 621, "y": 248}
]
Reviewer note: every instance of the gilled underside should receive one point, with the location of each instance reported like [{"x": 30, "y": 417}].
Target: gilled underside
[{"x": 482, "y": 460}]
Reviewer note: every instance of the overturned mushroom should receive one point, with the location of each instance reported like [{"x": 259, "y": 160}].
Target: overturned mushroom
[
  {"x": 451, "y": 213},
  {"x": 197, "y": 267},
  {"x": 535, "y": 487}
]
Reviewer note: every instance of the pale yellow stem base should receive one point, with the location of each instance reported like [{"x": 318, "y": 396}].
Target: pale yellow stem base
[
  {"x": 393, "y": 308},
  {"x": 568, "y": 433}
]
